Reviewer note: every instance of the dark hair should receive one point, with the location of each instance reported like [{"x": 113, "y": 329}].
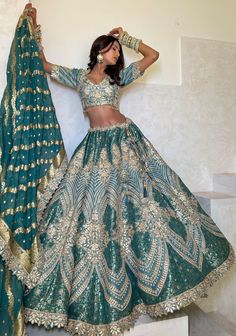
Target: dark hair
[{"x": 112, "y": 70}]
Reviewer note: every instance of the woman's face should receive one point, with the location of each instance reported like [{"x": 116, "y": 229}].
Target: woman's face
[{"x": 111, "y": 56}]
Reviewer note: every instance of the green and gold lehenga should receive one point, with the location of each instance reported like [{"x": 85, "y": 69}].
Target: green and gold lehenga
[{"x": 121, "y": 235}]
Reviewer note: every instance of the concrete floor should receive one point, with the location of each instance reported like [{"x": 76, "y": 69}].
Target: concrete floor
[{"x": 200, "y": 324}]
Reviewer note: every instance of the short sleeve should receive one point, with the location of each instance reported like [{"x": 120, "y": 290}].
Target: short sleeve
[
  {"x": 130, "y": 73},
  {"x": 66, "y": 76}
]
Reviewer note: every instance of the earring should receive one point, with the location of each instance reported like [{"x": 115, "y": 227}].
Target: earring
[{"x": 100, "y": 58}]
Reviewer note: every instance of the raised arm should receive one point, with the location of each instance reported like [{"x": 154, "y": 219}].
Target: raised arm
[
  {"x": 47, "y": 65},
  {"x": 63, "y": 75},
  {"x": 32, "y": 12},
  {"x": 150, "y": 55}
]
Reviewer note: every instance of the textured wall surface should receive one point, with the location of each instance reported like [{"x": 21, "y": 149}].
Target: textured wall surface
[
  {"x": 192, "y": 125},
  {"x": 8, "y": 19},
  {"x": 159, "y": 23}
]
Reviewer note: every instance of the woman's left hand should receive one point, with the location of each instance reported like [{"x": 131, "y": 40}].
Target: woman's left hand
[
  {"x": 116, "y": 32},
  {"x": 31, "y": 11}
]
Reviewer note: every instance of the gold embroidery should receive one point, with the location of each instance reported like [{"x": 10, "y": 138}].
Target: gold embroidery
[
  {"x": 13, "y": 211},
  {"x": 60, "y": 164},
  {"x": 29, "y": 166},
  {"x": 32, "y": 74},
  {"x": 104, "y": 166},
  {"x": 58, "y": 320},
  {"x": 36, "y": 108},
  {"x": 6, "y": 102},
  {"x": 11, "y": 250},
  {"x": 50, "y": 182},
  {"x": 9, "y": 295},
  {"x": 19, "y": 261},
  {"x": 55, "y": 71},
  {"x": 19, "y": 323},
  {"x": 92, "y": 194},
  {"x": 13, "y": 98},
  {"x": 110, "y": 127},
  {"x": 25, "y": 264},
  {"x": 20, "y": 187},
  {"x": 29, "y": 89},
  {"x": 80, "y": 328},
  {"x": 76, "y": 163},
  {"x": 23, "y": 230},
  {"x": 36, "y": 144},
  {"x": 116, "y": 156},
  {"x": 155, "y": 219},
  {"x": 56, "y": 163},
  {"x": 27, "y": 54},
  {"x": 22, "y": 40},
  {"x": 36, "y": 126}
]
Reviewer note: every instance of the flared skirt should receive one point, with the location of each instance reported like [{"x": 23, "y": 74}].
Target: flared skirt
[{"x": 122, "y": 235}]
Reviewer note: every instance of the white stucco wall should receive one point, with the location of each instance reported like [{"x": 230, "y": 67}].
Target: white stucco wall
[{"x": 185, "y": 103}]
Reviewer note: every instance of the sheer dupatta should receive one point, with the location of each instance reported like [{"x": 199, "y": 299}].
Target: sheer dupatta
[{"x": 32, "y": 163}]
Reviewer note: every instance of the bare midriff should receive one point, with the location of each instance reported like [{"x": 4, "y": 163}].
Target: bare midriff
[{"x": 104, "y": 115}]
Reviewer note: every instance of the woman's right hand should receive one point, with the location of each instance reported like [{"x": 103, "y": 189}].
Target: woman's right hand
[
  {"x": 32, "y": 12},
  {"x": 116, "y": 32}
]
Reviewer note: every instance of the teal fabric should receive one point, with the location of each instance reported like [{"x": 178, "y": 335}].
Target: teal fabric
[
  {"x": 122, "y": 235},
  {"x": 92, "y": 94},
  {"x": 31, "y": 152},
  {"x": 11, "y": 296}
]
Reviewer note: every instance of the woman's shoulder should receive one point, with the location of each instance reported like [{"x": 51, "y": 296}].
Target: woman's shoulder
[
  {"x": 81, "y": 73},
  {"x": 130, "y": 73}
]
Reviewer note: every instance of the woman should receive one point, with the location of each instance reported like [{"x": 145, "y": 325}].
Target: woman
[{"x": 122, "y": 235}]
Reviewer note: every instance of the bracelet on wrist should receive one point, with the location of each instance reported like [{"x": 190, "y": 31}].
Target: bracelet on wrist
[
  {"x": 129, "y": 41},
  {"x": 38, "y": 36}
]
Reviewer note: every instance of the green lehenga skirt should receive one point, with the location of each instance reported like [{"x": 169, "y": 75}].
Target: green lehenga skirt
[{"x": 122, "y": 235}]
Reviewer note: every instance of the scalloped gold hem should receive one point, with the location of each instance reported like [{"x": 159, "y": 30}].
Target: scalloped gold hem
[{"x": 75, "y": 327}]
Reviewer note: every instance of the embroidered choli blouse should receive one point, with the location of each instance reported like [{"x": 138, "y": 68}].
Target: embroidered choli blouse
[{"x": 92, "y": 94}]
